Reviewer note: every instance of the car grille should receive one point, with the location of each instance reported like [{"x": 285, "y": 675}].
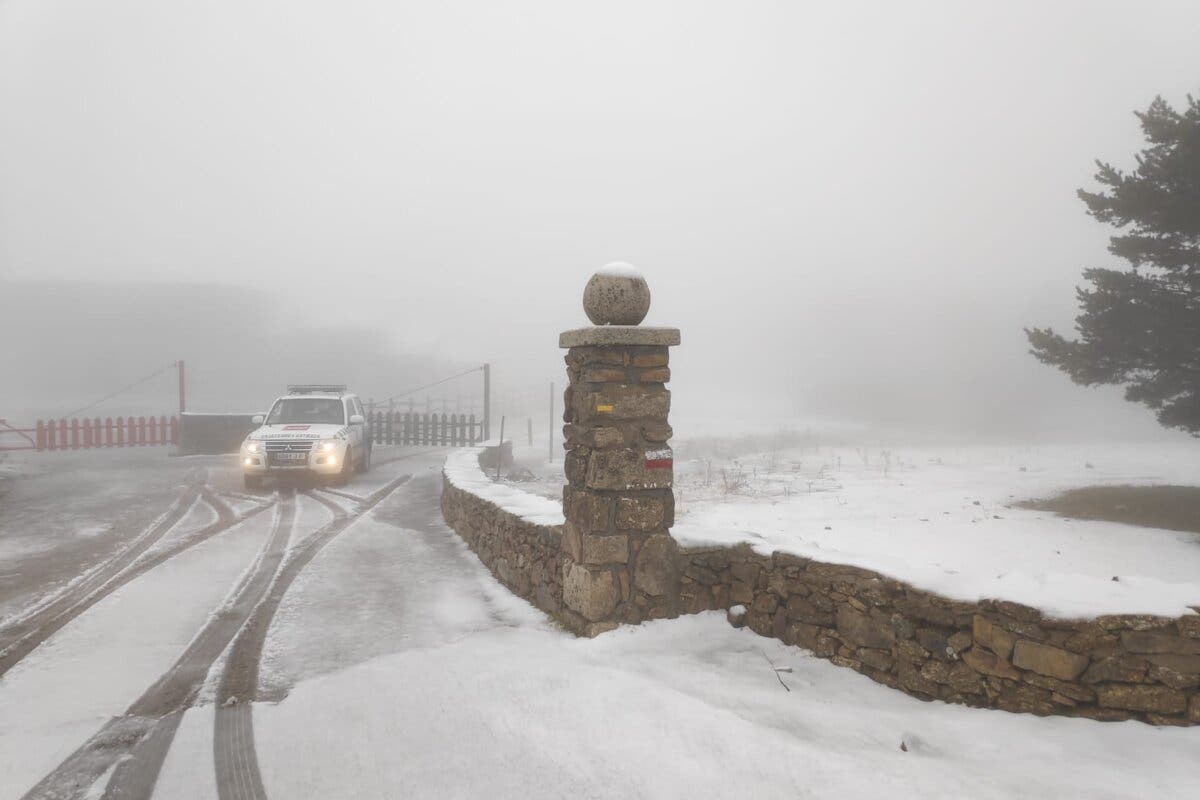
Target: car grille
[{"x": 289, "y": 447}]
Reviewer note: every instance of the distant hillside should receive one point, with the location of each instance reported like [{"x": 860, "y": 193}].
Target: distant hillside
[{"x": 67, "y": 344}]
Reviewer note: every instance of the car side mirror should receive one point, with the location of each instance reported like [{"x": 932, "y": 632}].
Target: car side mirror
[
  {"x": 356, "y": 419},
  {"x": 257, "y": 419}
]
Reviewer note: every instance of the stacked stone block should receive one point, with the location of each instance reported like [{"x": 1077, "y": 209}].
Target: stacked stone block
[
  {"x": 524, "y": 556},
  {"x": 619, "y": 558},
  {"x": 991, "y": 653}
]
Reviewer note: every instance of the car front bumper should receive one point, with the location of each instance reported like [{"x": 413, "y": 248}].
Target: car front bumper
[{"x": 315, "y": 463}]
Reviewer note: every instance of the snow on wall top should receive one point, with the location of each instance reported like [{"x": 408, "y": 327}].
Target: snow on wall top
[
  {"x": 922, "y": 525},
  {"x": 463, "y": 471}
]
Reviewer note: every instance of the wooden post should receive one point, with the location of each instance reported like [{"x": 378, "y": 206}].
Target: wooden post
[
  {"x": 500, "y": 449},
  {"x": 487, "y": 401},
  {"x": 182, "y": 386}
]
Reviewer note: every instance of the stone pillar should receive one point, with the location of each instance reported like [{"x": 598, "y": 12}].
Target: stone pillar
[{"x": 619, "y": 559}]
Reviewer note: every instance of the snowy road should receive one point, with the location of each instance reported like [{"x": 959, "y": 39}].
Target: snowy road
[
  {"x": 345, "y": 643},
  {"x": 123, "y": 757}
]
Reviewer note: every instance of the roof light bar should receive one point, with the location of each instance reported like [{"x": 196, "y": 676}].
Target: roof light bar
[{"x": 309, "y": 388}]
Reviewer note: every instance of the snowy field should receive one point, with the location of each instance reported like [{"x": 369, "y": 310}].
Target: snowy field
[
  {"x": 684, "y": 708},
  {"x": 943, "y": 519},
  {"x": 397, "y": 667}
]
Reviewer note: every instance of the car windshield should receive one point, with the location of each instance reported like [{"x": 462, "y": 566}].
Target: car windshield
[{"x": 307, "y": 410}]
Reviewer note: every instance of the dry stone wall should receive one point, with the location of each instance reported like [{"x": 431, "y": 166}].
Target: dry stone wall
[
  {"x": 615, "y": 561},
  {"x": 524, "y": 556},
  {"x": 991, "y": 653}
]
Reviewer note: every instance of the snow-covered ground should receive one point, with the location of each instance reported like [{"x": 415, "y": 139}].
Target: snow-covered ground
[
  {"x": 677, "y": 709},
  {"x": 95, "y": 667},
  {"x": 64, "y": 512},
  {"x": 398, "y": 667},
  {"x": 8, "y": 469},
  {"x": 942, "y": 519},
  {"x": 464, "y": 691}
]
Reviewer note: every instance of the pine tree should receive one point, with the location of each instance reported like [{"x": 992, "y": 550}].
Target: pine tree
[{"x": 1141, "y": 327}]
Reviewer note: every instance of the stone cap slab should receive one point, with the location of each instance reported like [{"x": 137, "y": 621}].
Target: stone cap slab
[{"x": 607, "y": 335}]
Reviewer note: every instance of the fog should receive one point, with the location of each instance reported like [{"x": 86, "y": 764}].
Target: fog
[{"x": 850, "y": 210}]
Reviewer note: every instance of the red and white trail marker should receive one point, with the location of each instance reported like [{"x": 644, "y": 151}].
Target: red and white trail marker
[{"x": 660, "y": 459}]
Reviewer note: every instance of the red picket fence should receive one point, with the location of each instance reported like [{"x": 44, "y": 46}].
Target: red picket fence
[{"x": 94, "y": 432}]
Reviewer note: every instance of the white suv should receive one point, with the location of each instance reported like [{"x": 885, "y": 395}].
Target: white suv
[{"x": 317, "y": 430}]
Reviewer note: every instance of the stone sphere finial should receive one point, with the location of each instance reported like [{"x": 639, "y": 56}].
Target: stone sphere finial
[{"x": 616, "y": 295}]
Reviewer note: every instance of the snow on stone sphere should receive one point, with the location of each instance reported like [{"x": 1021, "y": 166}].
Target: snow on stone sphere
[
  {"x": 617, "y": 294},
  {"x": 620, "y": 269}
]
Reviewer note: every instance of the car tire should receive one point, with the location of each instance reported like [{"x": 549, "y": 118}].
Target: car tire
[
  {"x": 252, "y": 482},
  {"x": 343, "y": 477}
]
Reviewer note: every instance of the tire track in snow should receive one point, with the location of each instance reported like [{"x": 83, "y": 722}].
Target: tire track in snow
[
  {"x": 137, "y": 742},
  {"x": 20, "y": 636},
  {"x": 348, "y": 505},
  {"x": 158, "y": 527},
  {"x": 347, "y": 495},
  {"x": 23, "y": 637},
  {"x": 234, "y": 754}
]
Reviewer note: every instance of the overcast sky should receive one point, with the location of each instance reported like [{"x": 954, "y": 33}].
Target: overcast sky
[{"x": 851, "y": 210}]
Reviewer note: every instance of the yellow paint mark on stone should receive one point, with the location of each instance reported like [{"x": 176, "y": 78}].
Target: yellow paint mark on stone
[{"x": 604, "y": 408}]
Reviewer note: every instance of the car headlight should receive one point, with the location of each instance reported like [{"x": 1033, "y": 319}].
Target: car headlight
[
  {"x": 327, "y": 447},
  {"x": 252, "y": 447}
]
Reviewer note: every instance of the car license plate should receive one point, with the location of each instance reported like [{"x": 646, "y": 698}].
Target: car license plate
[{"x": 291, "y": 456}]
